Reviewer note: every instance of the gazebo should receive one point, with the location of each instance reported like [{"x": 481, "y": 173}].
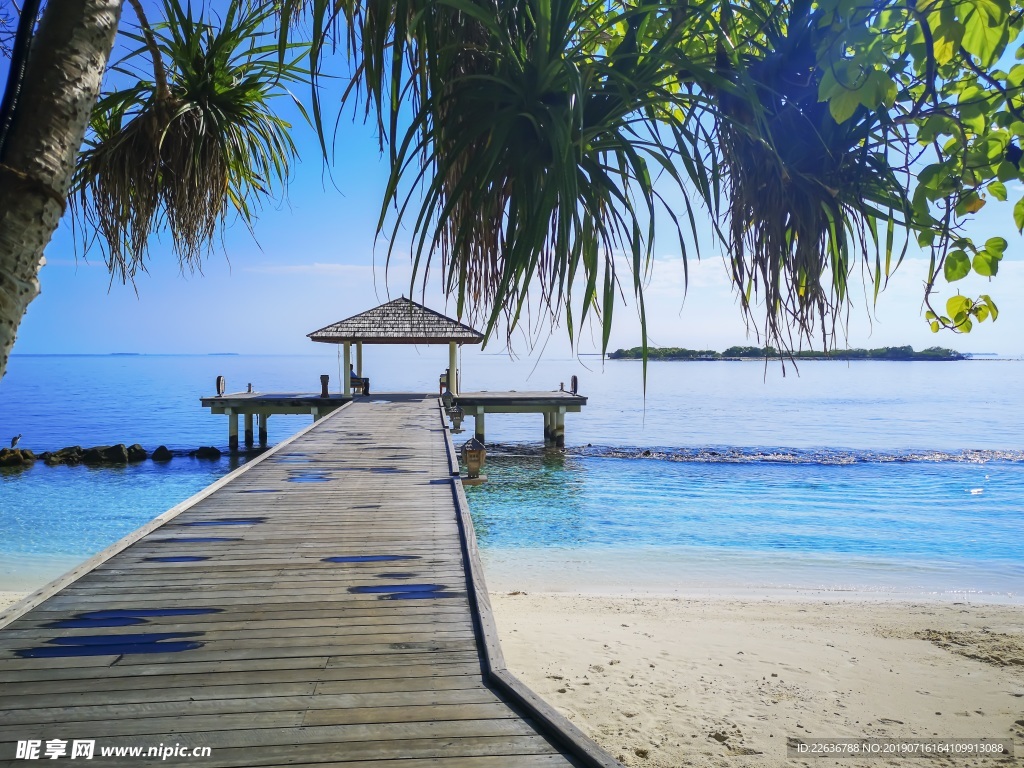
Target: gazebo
[{"x": 401, "y": 321}]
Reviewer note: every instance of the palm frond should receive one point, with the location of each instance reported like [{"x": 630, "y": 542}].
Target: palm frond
[{"x": 213, "y": 146}]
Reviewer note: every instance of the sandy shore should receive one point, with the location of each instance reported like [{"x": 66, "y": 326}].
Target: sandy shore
[
  {"x": 724, "y": 681},
  {"x": 10, "y": 598}
]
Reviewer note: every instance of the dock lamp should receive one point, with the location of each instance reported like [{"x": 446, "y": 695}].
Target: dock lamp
[
  {"x": 454, "y": 412},
  {"x": 474, "y": 454},
  {"x": 457, "y": 415}
]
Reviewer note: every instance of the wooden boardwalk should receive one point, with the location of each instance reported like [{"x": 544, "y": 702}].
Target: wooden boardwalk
[{"x": 322, "y": 605}]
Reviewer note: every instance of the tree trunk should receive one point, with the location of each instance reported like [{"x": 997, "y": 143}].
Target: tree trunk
[{"x": 62, "y": 80}]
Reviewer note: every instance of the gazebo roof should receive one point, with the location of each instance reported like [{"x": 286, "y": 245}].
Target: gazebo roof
[{"x": 401, "y": 321}]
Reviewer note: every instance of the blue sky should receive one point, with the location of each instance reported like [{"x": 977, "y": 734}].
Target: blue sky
[{"x": 314, "y": 261}]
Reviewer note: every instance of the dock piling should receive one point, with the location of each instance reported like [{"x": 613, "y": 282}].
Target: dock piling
[
  {"x": 346, "y": 375},
  {"x": 248, "y": 430},
  {"x": 559, "y": 435},
  {"x": 263, "y": 429},
  {"x": 453, "y": 368},
  {"x": 478, "y": 421},
  {"x": 232, "y": 429}
]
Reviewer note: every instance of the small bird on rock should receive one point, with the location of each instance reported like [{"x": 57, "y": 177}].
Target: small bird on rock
[{"x": 14, "y": 441}]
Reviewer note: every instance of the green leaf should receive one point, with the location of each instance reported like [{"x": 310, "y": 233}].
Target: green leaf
[
  {"x": 1018, "y": 215},
  {"x": 948, "y": 37},
  {"x": 934, "y": 326},
  {"x": 991, "y": 305},
  {"x": 998, "y": 190},
  {"x": 985, "y": 264},
  {"x": 957, "y": 305},
  {"x": 985, "y": 30},
  {"x": 996, "y": 246},
  {"x": 957, "y": 266},
  {"x": 1007, "y": 171},
  {"x": 980, "y": 312},
  {"x": 843, "y": 104}
]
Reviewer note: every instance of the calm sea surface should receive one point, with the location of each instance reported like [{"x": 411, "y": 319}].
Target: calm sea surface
[{"x": 875, "y": 477}]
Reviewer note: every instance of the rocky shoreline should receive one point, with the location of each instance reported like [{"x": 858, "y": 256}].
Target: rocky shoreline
[{"x": 100, "y": 455}]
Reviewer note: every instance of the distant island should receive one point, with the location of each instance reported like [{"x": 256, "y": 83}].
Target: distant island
[{"x": 748, "y": 353}]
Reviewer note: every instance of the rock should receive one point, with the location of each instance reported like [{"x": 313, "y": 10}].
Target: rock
[
  {"x": 12, "y": 457},
  {"x": 70, "y": 455},
  {"x": 106, "y": 454},
  {"x": 137, "y": 453},
  {"x": 93, "y": 455},
  {"x": 206, "y": 452},
  {"x": 161, "y": 454},
  {"x": 116, "y": 454}
]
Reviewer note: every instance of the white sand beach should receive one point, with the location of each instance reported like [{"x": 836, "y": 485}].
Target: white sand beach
[
  {"x": 8, "y": 599},
  {"x": 723, "y": 681}
]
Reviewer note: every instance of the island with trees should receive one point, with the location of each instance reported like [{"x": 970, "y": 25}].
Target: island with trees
[{"x": 762, "y": 353}]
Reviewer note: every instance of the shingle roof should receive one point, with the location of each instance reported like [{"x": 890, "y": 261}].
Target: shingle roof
[{"x": 401, "y": 321}]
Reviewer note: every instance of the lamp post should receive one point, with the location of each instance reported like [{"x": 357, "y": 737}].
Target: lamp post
[
  {"x": 457, "y": 415},
  {"x": 474, "y": 454}
]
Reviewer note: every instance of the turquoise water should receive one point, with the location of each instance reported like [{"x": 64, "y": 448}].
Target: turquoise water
[{"x": 881, "y": 477}]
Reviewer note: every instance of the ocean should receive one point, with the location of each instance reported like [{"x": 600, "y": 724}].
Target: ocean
[{"x": 885, "y": 479}]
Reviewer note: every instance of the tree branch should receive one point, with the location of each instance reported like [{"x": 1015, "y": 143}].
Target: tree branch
[
  {"x": 163, "y": 91},
  {"x": 969, "y": 60}
]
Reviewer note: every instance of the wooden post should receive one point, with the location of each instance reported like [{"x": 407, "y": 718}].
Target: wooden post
[
  {"x": 232, "y": 429},
  {"x": 453, "y": 371},
  {"x": 263, "y": 429},
  {"x": 478, "y": 420},
  {"x": 316, "y": 413},
  {"x": 549, "y": 429},
  {"x": 359, "y": 359},
  {"x": 346, "y": 373},
  {"x": 559, "y": 428},
  {"x": 248, "y": 430}
]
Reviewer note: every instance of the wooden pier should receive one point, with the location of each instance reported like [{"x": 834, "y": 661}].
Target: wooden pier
[
  {"x": 323, "y": 604},
  {"x": 262, "y": 405}
]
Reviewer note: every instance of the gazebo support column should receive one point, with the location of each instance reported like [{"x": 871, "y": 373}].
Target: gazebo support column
[
  {"x": 359, "y": 359},
  {"x": 248, "y": 430},
  {"x": 263, "y": 429},
  {"x": 346, "y": 373},
  {"x": 453, "y": 370},
  {"x": 232, "y": 429},
  {"x": 478, "y": 422}
]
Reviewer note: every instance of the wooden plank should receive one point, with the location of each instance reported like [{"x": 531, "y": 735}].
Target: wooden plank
[
  {"x": 302, "y": 710},
  {"x": 257, "y": 623},
  {"x": 342, "y": 679},
  {"x": 500, "y": 751},
  {"x": 259, "y": 728},
  {"x": 198, "y": 699}
]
